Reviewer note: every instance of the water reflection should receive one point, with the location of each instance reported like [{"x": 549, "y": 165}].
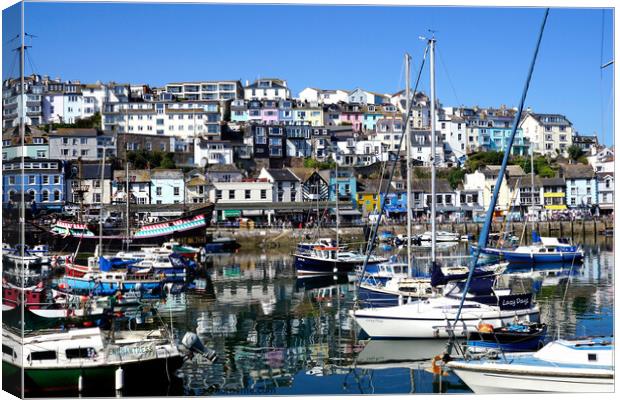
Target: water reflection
[{"x": 276, "y": 334}]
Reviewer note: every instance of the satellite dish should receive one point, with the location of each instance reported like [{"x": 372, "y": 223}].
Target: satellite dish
[{"x": 203, "y": 162}]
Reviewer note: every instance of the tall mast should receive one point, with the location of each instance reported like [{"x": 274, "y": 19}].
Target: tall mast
[
  {"x": 127, "y": 177},
  {"x": 337, "y": 209},
  {"x": 407, "y": 134},
  {"x": 431, "y": 43},
  {"x": 532, "y": 176},
  {"x": 101, "y": 186},
  {"x": 22, "y": 209}
]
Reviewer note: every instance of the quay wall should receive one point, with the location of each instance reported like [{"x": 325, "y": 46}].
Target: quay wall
[{"x": 580, "y": 231}]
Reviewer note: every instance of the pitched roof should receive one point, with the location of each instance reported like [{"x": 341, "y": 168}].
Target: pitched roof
[
  {"x": 282, "y": 175},
  {"x": 553, "y": 181},
  {"x": 372, "y": 185},
  {"x": 512, "y": 171},
  {"x": 424, "y": 186},
  {"x": 576, "y": 171},
  {"x": 222, "y": 168},
  {"x": 93, "y": 171},
  {"x": 74, "y": 132}
]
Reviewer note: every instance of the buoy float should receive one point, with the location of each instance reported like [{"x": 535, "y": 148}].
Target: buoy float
[{"x": 80, "y": 383}]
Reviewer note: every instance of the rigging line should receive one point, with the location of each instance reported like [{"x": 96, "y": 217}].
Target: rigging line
[
  {"x": 448, "y": 76},
  {"x": 13, "y": 64},
  {"x": 30, "y": 63},
  {"x": 373, "y": 233}
]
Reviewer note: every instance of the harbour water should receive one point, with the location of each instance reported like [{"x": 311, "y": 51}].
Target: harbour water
[{"x": 276, "y": 334}]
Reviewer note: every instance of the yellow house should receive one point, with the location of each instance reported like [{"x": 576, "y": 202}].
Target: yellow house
[{"x": 369, "y": 196}]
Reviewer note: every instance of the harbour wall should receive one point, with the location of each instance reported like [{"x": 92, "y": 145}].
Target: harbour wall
[{"x": 580, "y": 231}]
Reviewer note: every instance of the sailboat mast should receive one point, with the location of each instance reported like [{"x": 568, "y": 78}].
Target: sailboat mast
[
  {"x": 431, "y": 43},
  {"x": 101, "y": 180},
  {"x": 532, "y": 176},
  {"x": 337, "y": 208},
  {"x": 408, "y": 162},
  {"x": 127, "y": 203}
]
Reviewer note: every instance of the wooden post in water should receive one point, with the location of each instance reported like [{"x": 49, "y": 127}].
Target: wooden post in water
[
  {"x": 595, "y": 231},
  {"x": 561, "y": 230},
  {"x": 572, "y": 229}
]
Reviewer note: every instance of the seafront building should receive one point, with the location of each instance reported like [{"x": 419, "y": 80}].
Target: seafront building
[{"x": 227, "y": 135}]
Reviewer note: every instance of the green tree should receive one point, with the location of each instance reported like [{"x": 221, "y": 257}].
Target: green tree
[{"x": 575, "y": 152}]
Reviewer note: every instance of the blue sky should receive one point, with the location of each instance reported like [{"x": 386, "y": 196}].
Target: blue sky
[{"x": 483, "y": 53}]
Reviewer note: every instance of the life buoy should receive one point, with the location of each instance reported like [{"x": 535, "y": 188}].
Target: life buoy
[{"x": 485, "y": 328}]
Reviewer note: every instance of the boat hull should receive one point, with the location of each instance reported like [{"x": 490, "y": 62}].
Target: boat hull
[
  {"x": 537, "y": 258},
  {"x": 317, "y": 266},
  {"x": 382, "y": 327},
  {"x": 506, "y": 380},
  {"x": 95, "y": 379}
]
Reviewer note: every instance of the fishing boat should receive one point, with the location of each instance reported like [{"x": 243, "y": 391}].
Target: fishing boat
[
  {"x": 34, "y": 296},
  {"x": 545, "y": 250},
  {"x": 109, "y": 282},
  {"x": 67, "y": 234},
  {"x": 516, "y": 336},
  {"x": 90, "y": 357},
  {"x": 330, "y": 260},
  {"x": 571, "y": 366}
]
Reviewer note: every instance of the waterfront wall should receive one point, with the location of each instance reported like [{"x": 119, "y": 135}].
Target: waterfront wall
[{"x": 580, "y": 231}]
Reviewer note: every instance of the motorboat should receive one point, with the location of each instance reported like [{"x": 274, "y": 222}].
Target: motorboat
[{"x": 570, "y": 366}]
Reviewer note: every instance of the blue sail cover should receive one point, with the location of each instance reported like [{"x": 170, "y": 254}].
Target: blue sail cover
[
  {"x": 536, "y": 237},
  {"x": 105, "y": 265}
]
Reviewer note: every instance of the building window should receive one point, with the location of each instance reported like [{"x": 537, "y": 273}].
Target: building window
[
  {"x": 176, "y": 190},
  {"x": 218, "y": 194},
  {"x": 45, "y": 195},
  {"x": 31, "y": 179},
  {"x": 248, "y": 194},
  {"x": 158, "y": 191},
  {"x": 263, "y": 194},
  {"x": 231, "y": 194},
  {"x": 45, "y": 180}
]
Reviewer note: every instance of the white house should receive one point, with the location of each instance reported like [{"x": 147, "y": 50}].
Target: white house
[
  {"x": 361, "y": 96},
  {"x": 323, "y": 96},
  {"x": 601, "y": 159},
  {"x": 286, "y": 185},
  {"x": 267, "y": 89},
  {"x": 547, "y": 133},
  {"x": 167, "y": 186},
  {"x": 208, "y": 152}
]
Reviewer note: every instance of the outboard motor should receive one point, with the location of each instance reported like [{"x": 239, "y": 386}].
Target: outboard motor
[{"x": 192, "y": 343}]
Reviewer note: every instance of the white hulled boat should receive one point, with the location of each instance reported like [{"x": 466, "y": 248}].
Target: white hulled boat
[{"x": 584, "y": 365}]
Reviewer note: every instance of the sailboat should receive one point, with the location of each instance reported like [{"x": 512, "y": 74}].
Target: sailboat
[
  {"x": 387, "y": 284},
  {"x": 460, "y": 308}
]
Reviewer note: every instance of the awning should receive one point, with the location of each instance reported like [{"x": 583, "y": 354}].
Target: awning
[
  {"x": 350, "y": 213},
  {"x": 555, "y": 207},
  {"x": 231, "y": 213}
]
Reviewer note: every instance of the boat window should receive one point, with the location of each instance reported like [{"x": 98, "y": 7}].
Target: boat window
[
  {"x": 591, "y": 356},
  {"x": 8, "y": 350},
  {"x": 42, "y": 355},
  {"x": 82, "y": 352}
]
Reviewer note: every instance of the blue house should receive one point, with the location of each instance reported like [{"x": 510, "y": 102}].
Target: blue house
[
  {"x": 496, "y": 139},
  {"x": 344, "y": 184},
  {"x": 44, "y": 181},
  {"x": 581, "y": 187}
]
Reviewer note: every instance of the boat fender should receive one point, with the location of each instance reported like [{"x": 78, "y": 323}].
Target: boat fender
[
  {"x": 80, "y": 383},
  {"x": 118, "y": 379}
]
